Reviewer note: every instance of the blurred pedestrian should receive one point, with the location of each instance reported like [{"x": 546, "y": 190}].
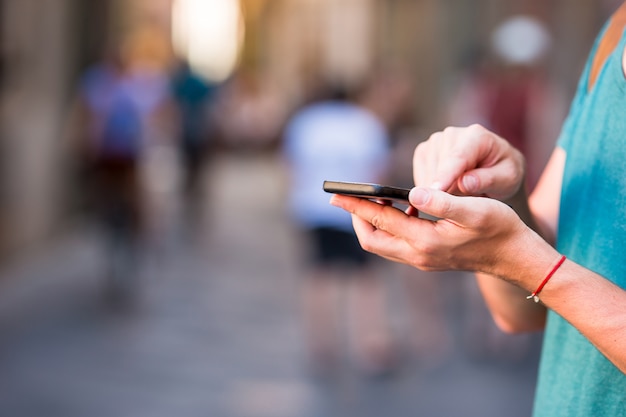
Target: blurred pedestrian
[
  {"x": 118, "y": 103},
  {"x": 194, "y": 98},
  {"x": 250, "y": 112},
  {"x": 334, "y": 138}
]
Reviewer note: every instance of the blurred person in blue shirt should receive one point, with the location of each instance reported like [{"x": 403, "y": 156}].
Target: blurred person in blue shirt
[{"x": 337, "y": 139}]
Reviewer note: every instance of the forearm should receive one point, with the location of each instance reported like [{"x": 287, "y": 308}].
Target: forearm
[
  {"x": 593, "y": 305},
  {"x": 509, "y": 307}
]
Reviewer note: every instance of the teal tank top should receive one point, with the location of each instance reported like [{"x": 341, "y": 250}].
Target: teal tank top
[{"x": 575, "y": 379}]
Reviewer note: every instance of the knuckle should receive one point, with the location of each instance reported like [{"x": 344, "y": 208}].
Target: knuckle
[
  {"x": 364, "y": 240},
  {"x": 367, "y": 245},
  {"x": 479, "y": 132},
  {"x": 510, "y": 176},
  {"x": 476, "y": 128},
  {"x": 437, "y": 136},
  {"x": 484, "y": 215},
  {"x": 419, "y": 149},
  {"x": 442, "y": 206},
  {"x": 378, "y": 221},
  {"x": 419, "y": 263},
  {"x": 423, "y": 261},
  {"x": 423, "y": 248},
  {"x": 449, "y": 131},
  {"x": 482, "y": 221}
]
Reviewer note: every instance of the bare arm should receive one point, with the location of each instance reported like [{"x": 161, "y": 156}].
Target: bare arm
[
  {"x": 482, "y": 234},
  {"x": 454, "y": 170}
]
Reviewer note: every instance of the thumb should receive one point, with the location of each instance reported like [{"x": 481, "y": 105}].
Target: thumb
[
  {"x": 436, "y": 203},
  {"x": 497, "y": 182}
]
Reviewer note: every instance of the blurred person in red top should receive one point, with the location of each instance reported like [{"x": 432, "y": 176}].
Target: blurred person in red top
[{"x": 506, "y": 89}]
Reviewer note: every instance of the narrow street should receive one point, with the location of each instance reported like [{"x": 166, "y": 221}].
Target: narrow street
[{"x": 214, "y": 328}]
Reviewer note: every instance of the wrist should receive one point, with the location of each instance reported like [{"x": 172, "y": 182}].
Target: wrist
[
  {"x": 527, "y": 260},
  {"x": 535, "y": 294}
]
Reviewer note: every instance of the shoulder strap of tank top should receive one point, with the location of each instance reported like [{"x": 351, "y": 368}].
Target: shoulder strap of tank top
[{"x": 608, "y": 43}]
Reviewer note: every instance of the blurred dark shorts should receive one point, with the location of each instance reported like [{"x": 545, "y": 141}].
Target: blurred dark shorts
[{"x": 332, "y": 246}]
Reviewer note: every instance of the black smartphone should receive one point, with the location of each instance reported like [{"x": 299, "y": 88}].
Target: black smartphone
[
  {"x": 374, "y": 192},
  {"x": 369, "y": 191}
]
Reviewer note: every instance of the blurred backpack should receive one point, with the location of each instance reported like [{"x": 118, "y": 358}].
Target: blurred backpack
[{"x": 608, "y": 43}]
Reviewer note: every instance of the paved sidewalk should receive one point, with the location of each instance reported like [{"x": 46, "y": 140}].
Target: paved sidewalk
[{"x": 214, "y": 330}]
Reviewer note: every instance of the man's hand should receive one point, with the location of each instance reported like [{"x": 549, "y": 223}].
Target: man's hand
[
  {"x": 469, "y": 161},
  {"x": 473, "y": 233}
]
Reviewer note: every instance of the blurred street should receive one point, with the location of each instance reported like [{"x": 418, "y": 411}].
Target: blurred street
[
  {"x": 140, "y": 145},
  {"x": 213, "y": 329}
]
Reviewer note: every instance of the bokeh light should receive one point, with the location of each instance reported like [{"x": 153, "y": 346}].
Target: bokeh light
[{"x": 208, "y": 34}]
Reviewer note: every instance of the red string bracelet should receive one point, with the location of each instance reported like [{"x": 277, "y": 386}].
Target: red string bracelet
[{"x": 535, "y": 295}]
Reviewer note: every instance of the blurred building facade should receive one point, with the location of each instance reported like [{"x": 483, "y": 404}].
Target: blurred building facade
[{"x": 289, "y": 44}]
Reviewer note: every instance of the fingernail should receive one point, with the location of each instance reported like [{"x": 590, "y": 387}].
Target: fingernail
[
  {"x": 333, "y": 201},
  {"x": 470, "y": 182},
  {"x": 419, "y": 196}
]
